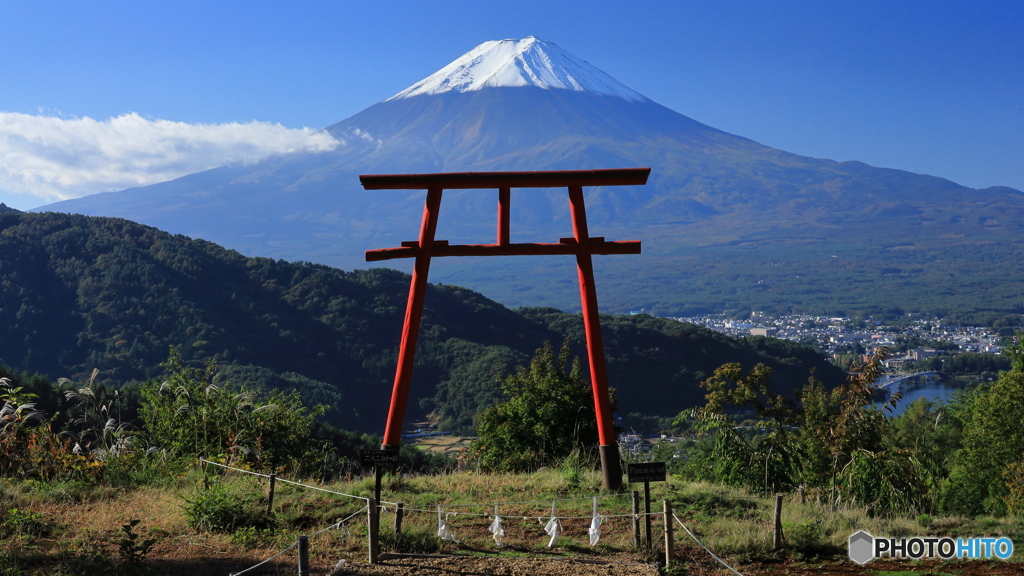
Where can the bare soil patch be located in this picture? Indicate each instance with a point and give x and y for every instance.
(473, 565)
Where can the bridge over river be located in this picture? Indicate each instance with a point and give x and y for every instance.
(921, 385)
(888, 380)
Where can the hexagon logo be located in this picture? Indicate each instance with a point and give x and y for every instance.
(861, 547)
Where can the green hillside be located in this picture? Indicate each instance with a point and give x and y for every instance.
(81, 293)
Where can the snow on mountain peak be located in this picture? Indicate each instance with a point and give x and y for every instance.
(515, 63)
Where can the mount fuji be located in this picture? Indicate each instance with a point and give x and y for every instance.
(726, 222)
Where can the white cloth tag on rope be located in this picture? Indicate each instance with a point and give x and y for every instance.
(595, 529)
(595, 526)
(497, 531)
(442, 528)
(554, 529)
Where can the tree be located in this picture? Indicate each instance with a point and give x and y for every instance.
(986, 470)
(190, 416)
(934, 432)
(744, 455)
(548, 414)
(828, 441)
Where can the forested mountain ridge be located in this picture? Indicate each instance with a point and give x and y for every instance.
(79, 293)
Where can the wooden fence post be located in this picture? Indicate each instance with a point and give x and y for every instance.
(778, 522)
(669, 543)
(399, 514)
(636, 518)
(647, 512)
(373, 529)
(270, 496)
(303, 556)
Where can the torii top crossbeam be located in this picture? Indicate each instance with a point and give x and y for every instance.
(491, 180)
(582, 245)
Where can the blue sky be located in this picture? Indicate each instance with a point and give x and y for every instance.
(103, 95)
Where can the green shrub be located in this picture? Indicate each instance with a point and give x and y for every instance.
(140, 469)
(803, 538)
(218, 509)
(250, 537)
(18, 522)
(133, 551)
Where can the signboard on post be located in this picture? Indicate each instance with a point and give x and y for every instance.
(646, 472)
(378, 458)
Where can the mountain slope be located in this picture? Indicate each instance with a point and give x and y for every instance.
(80, 293)
(717, 205)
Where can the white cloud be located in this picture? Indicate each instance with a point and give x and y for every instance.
(54, 158)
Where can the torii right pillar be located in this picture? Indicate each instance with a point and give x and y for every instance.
(611, 465)
(582, 245)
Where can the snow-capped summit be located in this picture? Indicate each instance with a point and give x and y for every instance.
(516, 63)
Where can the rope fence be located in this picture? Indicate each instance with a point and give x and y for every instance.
(545, 502)
(339, 523)
(363, 498)
(304, 539)
(708, 550)
(519, 516)
(294, 544)
(274, 477)
(549, 519)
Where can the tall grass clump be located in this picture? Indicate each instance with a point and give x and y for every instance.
(411, 541)
(578, 470)
(221, 509)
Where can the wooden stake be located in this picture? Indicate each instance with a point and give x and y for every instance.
(399, 514)
(373, 529)
(636, 518)
(270, 496)
(647, 511)
(303, 555)
(778, 522)
(669, 543)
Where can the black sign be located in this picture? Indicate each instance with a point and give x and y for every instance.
(378, 457)
(646, 472)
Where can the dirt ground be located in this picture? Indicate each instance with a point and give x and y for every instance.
(691, 562)
(843, 567)
(193, 557)
(473, 566)
(469, 565)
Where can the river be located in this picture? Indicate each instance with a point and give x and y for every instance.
(936, 389)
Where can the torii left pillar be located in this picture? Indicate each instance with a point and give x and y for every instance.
(582, 245)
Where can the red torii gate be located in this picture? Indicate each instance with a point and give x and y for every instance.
(582, 245)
